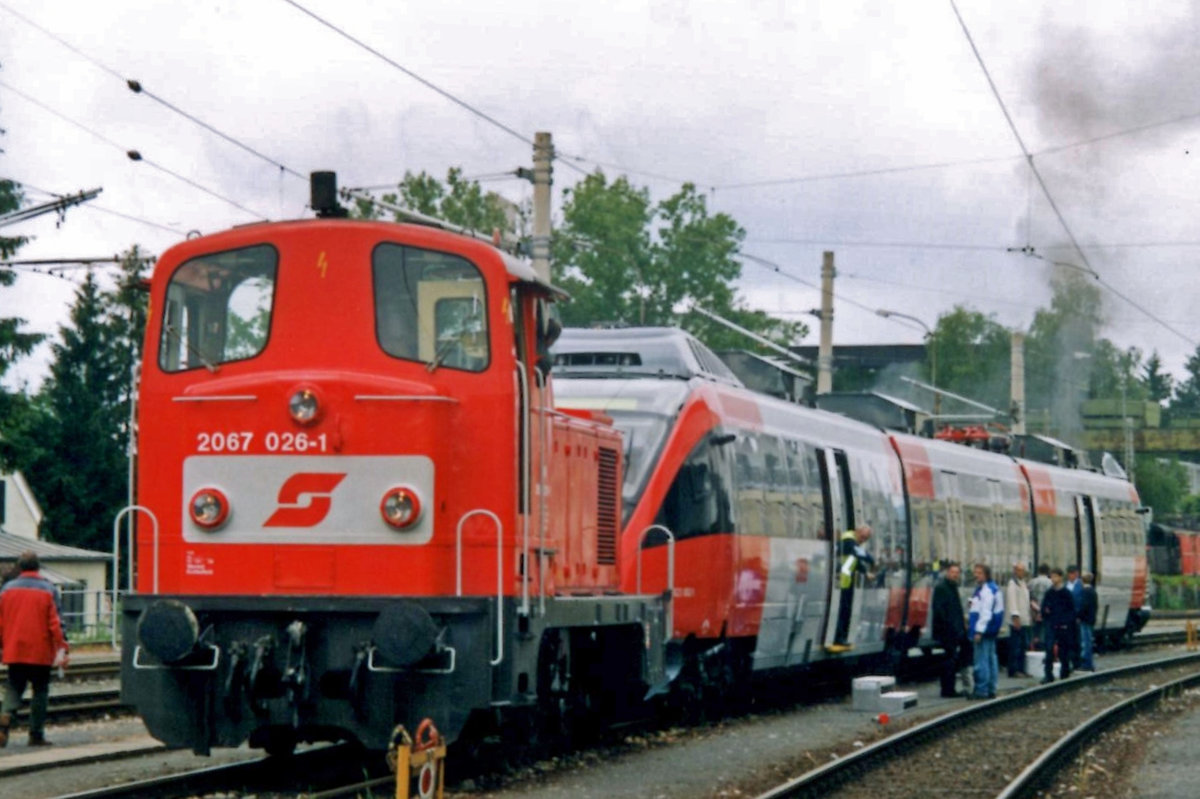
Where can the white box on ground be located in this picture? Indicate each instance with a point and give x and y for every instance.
(868, 690)
(1035, 664)
(896, 702)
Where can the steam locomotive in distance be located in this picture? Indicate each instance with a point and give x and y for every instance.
(756, 491)
(361, 505)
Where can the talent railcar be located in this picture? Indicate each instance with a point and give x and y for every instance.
(751, 487)
(367, 510)
(756, 492)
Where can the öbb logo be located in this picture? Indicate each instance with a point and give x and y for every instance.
(305, 499)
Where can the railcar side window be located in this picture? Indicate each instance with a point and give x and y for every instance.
(430, 307)
(218, 309)
(698, 502)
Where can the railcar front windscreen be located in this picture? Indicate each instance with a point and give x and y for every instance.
(642, 409)
(218, 309)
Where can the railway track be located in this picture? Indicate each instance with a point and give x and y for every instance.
(330, 770)
(106, 669)
(1015, 742)
(1055, 759)
(105, 701)
(80, 704)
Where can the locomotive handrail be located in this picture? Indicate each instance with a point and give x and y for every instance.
(523, 448)
(216, 398)
(373, 666)
(543, 438)
(404, 398)
(499, 573)
(139, 665)
(670, 570)
(116, 559)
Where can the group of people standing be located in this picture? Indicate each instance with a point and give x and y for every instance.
(1049, 613)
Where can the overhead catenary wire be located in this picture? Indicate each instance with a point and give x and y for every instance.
(1087, 266)
(96, 207)
(755, 184)
(779, 270)
(137, 88)
(133, 155)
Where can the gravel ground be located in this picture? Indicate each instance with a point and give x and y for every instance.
(982, 759)
(66, 779)
(744, 757)
(1153, 756)
(738, 757)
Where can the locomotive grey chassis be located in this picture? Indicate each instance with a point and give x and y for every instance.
(264, 667)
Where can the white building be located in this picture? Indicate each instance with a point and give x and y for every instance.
(81, 574)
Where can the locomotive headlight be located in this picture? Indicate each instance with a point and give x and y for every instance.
(304, 406)
(209, 508)
(401, 507)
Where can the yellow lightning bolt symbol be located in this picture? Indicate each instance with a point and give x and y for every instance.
(322, 263)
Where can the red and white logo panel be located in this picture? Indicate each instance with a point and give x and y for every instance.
(308, 500)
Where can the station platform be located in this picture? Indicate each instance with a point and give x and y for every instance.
(18, 758)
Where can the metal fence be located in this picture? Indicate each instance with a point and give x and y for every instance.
(87, 613)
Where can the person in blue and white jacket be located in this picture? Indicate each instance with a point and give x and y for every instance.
(984, 621)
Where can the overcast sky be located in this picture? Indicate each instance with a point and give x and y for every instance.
(902, 160)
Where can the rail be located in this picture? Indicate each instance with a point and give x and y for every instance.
(458, 590)
(670, 571)
(827, 778)
(116, 559)
(1039, 773)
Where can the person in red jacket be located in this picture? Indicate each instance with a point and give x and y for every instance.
(31, 642)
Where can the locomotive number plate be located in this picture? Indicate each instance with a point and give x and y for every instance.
(219, 441)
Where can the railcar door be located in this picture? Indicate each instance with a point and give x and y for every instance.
(1085, 529)
(839, 517)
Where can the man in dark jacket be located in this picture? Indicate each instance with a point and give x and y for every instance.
(1058, 614)
(32, 641)
(1074, 586)
(949, 629)
(1088, 605)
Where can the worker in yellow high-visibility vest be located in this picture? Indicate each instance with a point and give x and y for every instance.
(854, 559)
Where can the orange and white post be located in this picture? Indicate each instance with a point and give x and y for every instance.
(419, 764)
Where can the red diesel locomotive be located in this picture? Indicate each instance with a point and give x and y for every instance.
(756, 491)
(365, 508)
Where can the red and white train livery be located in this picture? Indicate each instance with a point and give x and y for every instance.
(756, 491)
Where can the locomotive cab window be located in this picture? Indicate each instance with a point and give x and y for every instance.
(430, 307)
(218, 309)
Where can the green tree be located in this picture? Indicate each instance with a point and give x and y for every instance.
(973, 353)
(14, 342)
(16, 413)
(1158, 384)
(1187, 393)
(459, 201)
(1161, 484)
(80, 467)
(602, 253)
(1113, 372)
(625, 260)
